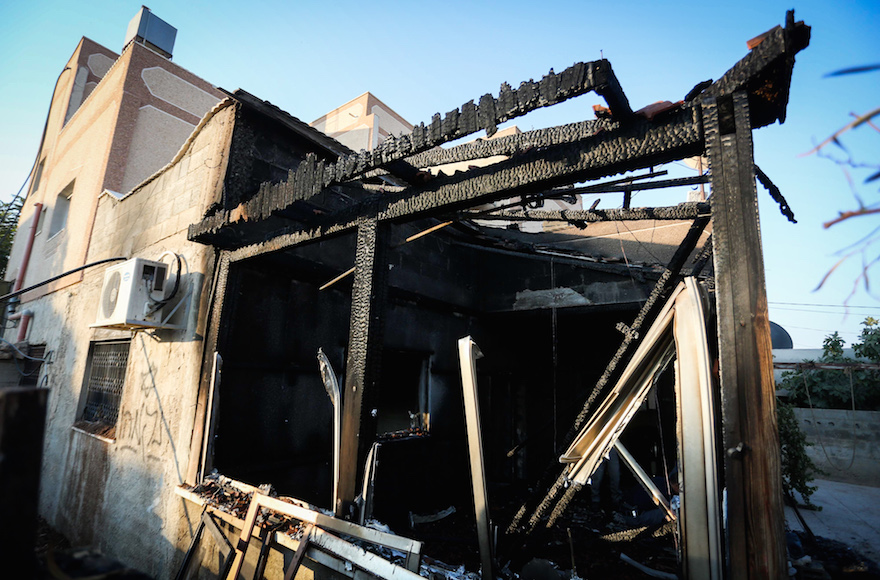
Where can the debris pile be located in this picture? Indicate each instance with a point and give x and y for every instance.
(217, 491)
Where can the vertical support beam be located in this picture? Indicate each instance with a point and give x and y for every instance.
(755, 530)
(211, 416)
(468, 353)
(364, 354)
(197, 442)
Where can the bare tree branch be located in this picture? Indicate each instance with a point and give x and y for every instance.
(849, 126)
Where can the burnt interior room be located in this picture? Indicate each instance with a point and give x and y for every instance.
(541, 357)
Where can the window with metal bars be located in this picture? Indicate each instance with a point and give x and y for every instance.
(105, 377)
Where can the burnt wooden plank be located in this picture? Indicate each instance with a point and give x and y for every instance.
(640, 145)
(300, 554)
(750, 436)
(684, 211)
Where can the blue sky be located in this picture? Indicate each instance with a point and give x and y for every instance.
(427, 57)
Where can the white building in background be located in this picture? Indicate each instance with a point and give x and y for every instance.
(362, 123)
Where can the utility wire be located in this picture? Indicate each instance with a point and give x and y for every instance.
(877, 307)
(834, 312)
(59, 276)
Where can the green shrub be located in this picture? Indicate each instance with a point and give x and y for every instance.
(798, 470)
(839, 389)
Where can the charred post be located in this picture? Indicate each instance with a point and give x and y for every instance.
(364, 353)
(750, 438)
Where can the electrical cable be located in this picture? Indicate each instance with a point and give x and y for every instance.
(59, 276)
(157, 304)
(823, 305)
(44, 359)
(815, 311)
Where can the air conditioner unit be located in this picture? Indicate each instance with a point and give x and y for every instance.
(132, 294)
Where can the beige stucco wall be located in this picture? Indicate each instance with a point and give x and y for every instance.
(119, 495)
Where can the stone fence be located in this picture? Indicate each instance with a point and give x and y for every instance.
(846, 444)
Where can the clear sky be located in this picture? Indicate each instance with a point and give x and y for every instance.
(426, 57)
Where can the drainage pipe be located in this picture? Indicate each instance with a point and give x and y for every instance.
(26, 315)
(19, 280)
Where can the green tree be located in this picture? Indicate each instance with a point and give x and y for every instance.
(857, 388)
(9, 212)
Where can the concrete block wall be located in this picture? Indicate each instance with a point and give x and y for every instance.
(846, 444)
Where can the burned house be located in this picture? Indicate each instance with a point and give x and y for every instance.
(277, 242)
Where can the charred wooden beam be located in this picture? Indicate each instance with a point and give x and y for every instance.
(774, 192)
(511, 144)
(639, 145)
(615, 185)
(756, 541)
(765, 73)
(684, 211)
(312, 176)
(630, 187)
(368, 302)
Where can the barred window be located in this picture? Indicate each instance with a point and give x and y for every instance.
(105, 376)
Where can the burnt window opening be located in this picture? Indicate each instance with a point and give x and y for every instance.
(403, 396)
(61, 210)
(274, 420)
(104, 382)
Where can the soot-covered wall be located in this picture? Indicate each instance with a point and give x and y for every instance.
(275, 418)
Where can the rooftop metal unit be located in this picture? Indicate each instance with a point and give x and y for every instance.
(151, 31)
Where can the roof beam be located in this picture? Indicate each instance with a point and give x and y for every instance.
(312, 176)
(639, 145)
(684, 211)
(511, 144)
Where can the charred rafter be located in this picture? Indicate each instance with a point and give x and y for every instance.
(642, 144)
(312, 176)
(765, 73)
(512, 144)
(684, 211)
(616, 186)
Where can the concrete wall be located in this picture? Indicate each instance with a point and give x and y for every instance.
(846, 444)
(118, 493)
